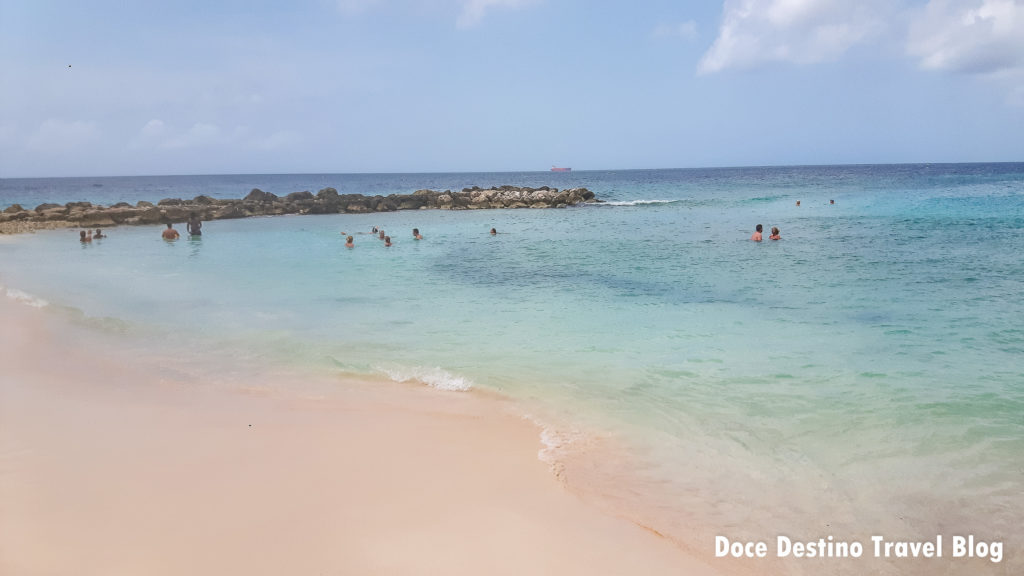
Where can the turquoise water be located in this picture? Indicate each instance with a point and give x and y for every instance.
(862, 375)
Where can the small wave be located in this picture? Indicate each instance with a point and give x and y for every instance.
(433, 377)
(25, 298)
(640, 202)
(556, 443)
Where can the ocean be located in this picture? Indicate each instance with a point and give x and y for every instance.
(863, 375)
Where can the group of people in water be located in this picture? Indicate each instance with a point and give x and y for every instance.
(756, 236)
(379, 233)
(86, 236)
(194, 228)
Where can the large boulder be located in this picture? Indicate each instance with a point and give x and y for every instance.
(151, 215)
(13, 208)
(170, 202)
(257, 195)
(299, 196)
(96, 220)
(230, 211)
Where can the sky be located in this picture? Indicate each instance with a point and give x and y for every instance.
(104, 88)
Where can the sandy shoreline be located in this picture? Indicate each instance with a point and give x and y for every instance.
(108, 468)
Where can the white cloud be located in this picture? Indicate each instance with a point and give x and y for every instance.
(280, 140)
(800, 31)
(686, 30)
(200, 134)
(473, 11)
(971, 36)
(153, 128)
(55, 135)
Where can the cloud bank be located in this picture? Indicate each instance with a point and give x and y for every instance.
(801, 31)
(969, 36)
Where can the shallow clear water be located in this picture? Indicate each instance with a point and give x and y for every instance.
(864, 373)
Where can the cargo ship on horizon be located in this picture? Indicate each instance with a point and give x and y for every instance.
(559, 169)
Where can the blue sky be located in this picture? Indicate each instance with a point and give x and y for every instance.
(200, 87)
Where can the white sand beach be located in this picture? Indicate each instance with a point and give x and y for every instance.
(108, 469)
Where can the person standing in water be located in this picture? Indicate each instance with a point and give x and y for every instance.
(756, 236)
(416, 234)
(195, 225)
(349, 243)
(775, 234)
(170, 233)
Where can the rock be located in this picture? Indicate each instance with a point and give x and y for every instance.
(48, 206)
(13, 208)
(410, 205)
(258, 195)
(96, 220)
(299, 196)
(54, 214)
(151, 215)
(229, 212)
(144, 204)
(203, 200)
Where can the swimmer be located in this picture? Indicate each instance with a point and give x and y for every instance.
(170, 233)
(831, 202)
(374, 230)
(349, 243)
(387, 241)
(756, 236)
(416, 234)
(381, 235)
(775, 234)
(797, 202)
(83, 238)
(195, 225)
(493, 231)
(99, 234)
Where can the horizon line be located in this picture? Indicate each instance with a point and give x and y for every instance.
(546, 171)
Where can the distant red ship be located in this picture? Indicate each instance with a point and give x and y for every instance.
(558, 169)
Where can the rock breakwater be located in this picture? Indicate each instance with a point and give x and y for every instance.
(16, 219)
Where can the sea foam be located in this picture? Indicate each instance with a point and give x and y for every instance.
(639, 202)
(24, 297)
(434, 377)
